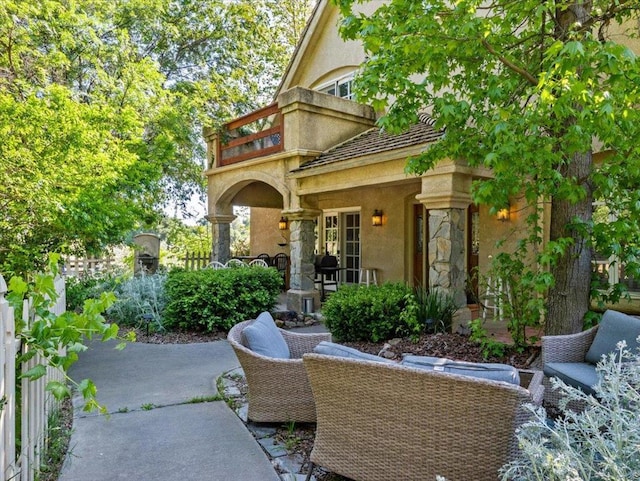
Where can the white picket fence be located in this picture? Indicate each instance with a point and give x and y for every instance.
(36, 404)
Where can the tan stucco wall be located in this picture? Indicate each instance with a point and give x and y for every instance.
(323, 55)
(617, 34)
(383, 248)
(498, 236)
(264, 233)
(316, 121)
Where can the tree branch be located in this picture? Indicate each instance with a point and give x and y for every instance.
(510, 65)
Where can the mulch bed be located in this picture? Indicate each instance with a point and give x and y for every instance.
(452, 346)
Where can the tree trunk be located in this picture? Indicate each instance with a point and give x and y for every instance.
(568, 300)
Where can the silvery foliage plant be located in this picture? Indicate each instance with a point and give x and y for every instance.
(600, 443)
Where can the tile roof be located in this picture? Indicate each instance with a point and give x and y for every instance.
(374, 141)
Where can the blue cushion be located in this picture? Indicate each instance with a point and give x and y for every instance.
(263, 337)
(332, 349)
(492, 371)
(614, 327)
(577, 374)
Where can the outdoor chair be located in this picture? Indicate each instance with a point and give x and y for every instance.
(258, 262)
(216, 265)
(235, 263)
(573, 357)
(380, 421)
(265, 257)
(278, 389)
(281, 262)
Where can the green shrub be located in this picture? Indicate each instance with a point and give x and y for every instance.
(369, 313)
(89, 286)
(433, 309)
(599, 443)
(212, 299)
(137, 296)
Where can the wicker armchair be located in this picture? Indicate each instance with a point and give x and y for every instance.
(379, 421)
(564, 348)
(279, 390)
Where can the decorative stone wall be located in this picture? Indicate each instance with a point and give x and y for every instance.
(302, 241)
(302, 270)
(447, 252)
(221, 238)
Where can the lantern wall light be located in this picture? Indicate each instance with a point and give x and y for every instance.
(376, 218)
(283, 224)
(503, 214)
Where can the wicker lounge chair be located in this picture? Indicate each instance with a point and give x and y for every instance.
(573, 357)
(279, 390)
(379, 421)
(564, 348)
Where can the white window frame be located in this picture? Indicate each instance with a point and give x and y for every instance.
(613, 264)
(341, 239)
(335, 86)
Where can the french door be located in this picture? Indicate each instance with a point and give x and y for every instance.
(342, 239)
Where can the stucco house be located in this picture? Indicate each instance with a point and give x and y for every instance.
(315, 160)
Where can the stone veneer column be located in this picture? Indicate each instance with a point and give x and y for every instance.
(221, 236)
(446, 194)
(447, 252)
(302, 270)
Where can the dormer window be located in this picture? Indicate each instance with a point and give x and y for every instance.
(340, 88)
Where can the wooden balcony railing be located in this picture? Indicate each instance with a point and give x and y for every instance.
(254, 135)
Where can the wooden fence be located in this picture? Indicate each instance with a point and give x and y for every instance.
(80, 266)
(197, 260)
(35, 403)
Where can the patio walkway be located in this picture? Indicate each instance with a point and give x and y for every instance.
(154, 432)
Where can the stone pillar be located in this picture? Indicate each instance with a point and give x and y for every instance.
(446, 194)
(221, 236)
(447, 252)
(302, 225)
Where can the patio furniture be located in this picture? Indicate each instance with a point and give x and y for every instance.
(235, 263)
(327, 272)
(573, 357)
(281, 262)
(278, 388)
(258, 262)
(265, 257)
(216, 265)
(382, 421)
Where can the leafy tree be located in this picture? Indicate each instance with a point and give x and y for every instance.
(527, 89)
(101, 108)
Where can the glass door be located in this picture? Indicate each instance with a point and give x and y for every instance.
(331, 235)
(341, 238)
(351, 259)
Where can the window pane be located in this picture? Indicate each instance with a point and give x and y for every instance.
(626, 279)
(345, 90)
(601, 270)
(329, 89)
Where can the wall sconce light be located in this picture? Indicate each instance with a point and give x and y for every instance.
(376, 218)
(503, 214)
(283, 223)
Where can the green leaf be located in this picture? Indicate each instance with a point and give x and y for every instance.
(35, 372)
(58, 389)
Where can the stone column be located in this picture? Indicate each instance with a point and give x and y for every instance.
(446, 194)
(302, 225)
(221, 236)
(447, 252)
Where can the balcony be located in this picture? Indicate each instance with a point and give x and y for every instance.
(256, 134)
